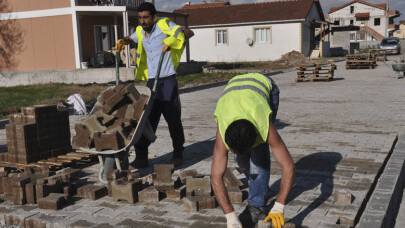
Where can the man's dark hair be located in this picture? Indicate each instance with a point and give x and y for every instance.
(240, 136)
(147, 6)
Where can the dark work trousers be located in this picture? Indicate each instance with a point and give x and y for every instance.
(167, 102)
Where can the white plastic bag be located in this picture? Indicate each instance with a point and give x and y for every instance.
(78, 104)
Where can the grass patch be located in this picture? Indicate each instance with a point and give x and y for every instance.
(13, 98)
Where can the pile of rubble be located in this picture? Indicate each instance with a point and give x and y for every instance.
(114, 120)
(288, 60)
(38, 132)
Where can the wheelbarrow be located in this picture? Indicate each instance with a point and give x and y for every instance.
(143, 128)
(399, 67)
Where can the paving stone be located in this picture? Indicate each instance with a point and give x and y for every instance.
(126, 190)
(92, 192)
(54, 201)
(184, 173)
(34, 223)
(132, 223)
(30, 193)
(176, 194)
(112, 102)
(7, 186)
(198, 186)
(230, 179)
(81, 224)
(108, 141)
(69, 174)
(149, 194)
(18, 217)
(235, 194)
(196, 203)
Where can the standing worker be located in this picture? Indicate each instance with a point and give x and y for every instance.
(244, 126)
(152, 36)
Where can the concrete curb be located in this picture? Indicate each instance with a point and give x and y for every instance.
(382, 207)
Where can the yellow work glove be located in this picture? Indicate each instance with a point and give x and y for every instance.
(232, 220)
(276, 215)
(119, 45)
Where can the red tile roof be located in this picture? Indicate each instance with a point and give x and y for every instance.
(204, 5)
(248, 13)
(362, 15)
(393, 12)
(380, 6)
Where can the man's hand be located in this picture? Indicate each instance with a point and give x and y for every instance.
(232, 220)
(119, 45)
(276, 215)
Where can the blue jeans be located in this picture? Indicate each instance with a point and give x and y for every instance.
(256, 166)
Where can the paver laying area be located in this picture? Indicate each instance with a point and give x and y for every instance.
(339, 134)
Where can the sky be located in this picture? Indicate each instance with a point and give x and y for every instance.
(170, 5)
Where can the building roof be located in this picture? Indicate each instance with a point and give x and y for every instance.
(362, 15)
(382, 6)
(204, 5)
(393, 13)
(249, 13)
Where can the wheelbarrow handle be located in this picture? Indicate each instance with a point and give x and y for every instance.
(165, 49)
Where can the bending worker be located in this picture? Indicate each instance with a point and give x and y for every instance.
(244, 126)
(152, 36)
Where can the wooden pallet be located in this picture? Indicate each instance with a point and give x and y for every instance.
(378, 54)
(366, 56)
(360, 64)
(316, 72)
(77, 159)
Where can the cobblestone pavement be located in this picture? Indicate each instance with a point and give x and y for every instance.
(339, 134)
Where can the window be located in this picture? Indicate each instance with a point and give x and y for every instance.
(337, 22)
(361, 35)
(399, 32)
(377, 21)
(222, 37)
(352, 36)
(102, 37)
(351, 22)
(351, 9)
(262, 35)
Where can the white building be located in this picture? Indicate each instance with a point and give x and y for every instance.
(366, 21)
(252, 32)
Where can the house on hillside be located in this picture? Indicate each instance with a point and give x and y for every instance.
(359, 24)
(61, 34)
(400, 32)
(253, 32)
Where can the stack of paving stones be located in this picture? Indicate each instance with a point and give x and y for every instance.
(37, 133)
(35, 186)
(113, 122)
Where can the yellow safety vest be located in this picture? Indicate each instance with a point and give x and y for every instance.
(175, 41)
(245, 97)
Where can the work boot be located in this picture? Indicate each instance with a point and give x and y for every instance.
(177, 159)
(140, 163)
(251, 216)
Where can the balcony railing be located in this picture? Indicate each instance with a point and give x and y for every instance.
(131, 3)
